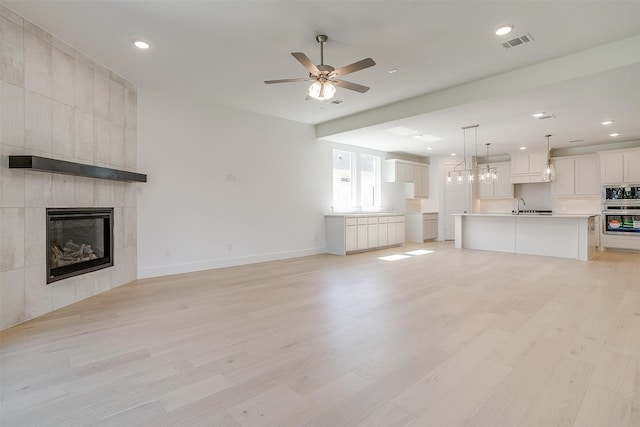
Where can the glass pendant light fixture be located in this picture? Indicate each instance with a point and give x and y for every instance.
(462, 170)
(488, 174)
(549, 172)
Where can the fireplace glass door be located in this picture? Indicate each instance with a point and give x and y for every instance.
(79, 241)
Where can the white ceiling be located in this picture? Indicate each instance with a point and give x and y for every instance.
(222, 51)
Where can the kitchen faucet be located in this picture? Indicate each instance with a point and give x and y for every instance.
(518, 204)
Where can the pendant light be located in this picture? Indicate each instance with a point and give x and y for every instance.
(462, 170)
(549, 172)
(488, 174)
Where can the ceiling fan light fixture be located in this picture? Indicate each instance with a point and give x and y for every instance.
(322, 90)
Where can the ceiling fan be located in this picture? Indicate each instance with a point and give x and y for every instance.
(325, 77)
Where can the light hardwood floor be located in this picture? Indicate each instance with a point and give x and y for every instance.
(447, 338)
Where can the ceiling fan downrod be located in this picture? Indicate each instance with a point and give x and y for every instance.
(322, 39)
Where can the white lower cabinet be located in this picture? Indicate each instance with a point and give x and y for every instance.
(351, 235)
(372, 233)
(363, 238)
(421, 227)
(346, 234)
(392, 234)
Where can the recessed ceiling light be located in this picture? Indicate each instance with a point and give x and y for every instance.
(393, 71)
(140, 44)
(429, 148)
(539, 114)
(607, 122)
(523, 148)
(453, 154)
(504, 30)
(614, 134)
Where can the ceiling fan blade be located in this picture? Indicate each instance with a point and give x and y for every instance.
(287, 80)
(351, 86)
(304, 60)
(356, 66)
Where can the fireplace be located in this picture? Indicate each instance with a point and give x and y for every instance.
(79, 240)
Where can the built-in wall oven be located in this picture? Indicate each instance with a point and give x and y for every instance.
(621, 210)
(621, 220)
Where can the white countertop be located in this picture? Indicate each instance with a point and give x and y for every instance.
(527, 215)
(420, 213)
(338, 214)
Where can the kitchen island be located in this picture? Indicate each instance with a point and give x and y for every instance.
(565, 236)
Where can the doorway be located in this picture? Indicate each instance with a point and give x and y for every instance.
(457, 199)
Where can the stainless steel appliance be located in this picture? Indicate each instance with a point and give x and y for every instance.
(621, 195)
(619, 219)
(621, 209)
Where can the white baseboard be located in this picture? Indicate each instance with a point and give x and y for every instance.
(166, 270)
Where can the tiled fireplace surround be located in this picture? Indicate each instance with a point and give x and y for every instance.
(56, 102)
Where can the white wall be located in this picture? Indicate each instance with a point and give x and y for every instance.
(229, 187)
(225, 187)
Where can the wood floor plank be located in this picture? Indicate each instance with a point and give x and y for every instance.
(448, 338)
(561, 398)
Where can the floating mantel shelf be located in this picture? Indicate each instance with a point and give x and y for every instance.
(44, 164)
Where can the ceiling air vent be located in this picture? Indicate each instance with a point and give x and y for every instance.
(337, 102)
(517, 41)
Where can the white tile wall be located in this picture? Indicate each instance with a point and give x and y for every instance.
(34, 244)
(37, 123)
(102, 136)
(101, 95)
(37, 64)
(84, 135)
(63, 75)
(12, 242)
(12, 297)
(83, 87)
(12, 49)
(57, 102)
(11, 114)
(62, 130)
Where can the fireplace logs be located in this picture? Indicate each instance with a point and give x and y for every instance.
(72, 253)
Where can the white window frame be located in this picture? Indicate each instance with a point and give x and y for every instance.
(356, 182)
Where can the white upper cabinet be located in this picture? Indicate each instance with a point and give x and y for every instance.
(620, 167)
(527, 167)
(576, 176)
(611, 168)
(632, 167)
(413, 172)
(501, 188)
(587, 174)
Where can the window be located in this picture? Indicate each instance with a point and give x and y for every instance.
(356, 180)
(369, 181)
(343, 183)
